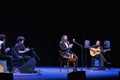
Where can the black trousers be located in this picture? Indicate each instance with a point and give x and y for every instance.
(23, 59)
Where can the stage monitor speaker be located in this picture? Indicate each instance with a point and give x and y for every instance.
(106, 44)
(3, 66)
(87, 43)
(79, 75)
(28, 67)
(6, 76)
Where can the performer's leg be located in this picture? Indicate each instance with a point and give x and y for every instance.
(26, 58)
(102, 60)
(9, 63)
(21, 60)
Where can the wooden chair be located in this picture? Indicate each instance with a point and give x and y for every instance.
(65, 59)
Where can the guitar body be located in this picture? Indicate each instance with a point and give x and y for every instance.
(95, 52)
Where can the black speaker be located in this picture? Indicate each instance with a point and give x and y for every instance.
(79, 75)
(28, 67)
(6, 76)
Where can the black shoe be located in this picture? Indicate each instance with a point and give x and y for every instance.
(34, 72)
(64, 66)
(11, 71)
(108, 63)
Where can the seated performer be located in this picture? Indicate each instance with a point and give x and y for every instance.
(96, 51)
(21, 51)
(4, 51)
(65, 47)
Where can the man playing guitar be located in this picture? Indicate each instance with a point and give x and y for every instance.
(96, 51)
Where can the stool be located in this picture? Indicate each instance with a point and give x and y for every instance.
(95, 63)
(67, 61)
(3, 66)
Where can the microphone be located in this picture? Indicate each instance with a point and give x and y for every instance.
(73, 40)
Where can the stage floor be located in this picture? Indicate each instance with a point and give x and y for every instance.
(53, 73)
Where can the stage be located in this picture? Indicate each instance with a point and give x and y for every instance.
(53, 73)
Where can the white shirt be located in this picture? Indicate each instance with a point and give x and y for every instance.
(1, 43)
(66, 44)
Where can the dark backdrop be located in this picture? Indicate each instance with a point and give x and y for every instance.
(45, 41)
(43, 32)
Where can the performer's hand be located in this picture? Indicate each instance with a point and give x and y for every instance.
(7, 49)
(71, 45)
(27, 49)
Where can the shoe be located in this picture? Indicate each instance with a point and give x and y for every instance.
(65, 66)
(106, 69)
(108, 63)
(34, 72)
(11, 71)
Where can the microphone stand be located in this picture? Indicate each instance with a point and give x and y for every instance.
(81, 51)
(35, 54)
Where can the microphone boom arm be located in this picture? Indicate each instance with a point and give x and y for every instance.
(78, 44)
(35, 53)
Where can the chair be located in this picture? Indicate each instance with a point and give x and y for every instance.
(67, 60)
(95, 63)
(3, 66)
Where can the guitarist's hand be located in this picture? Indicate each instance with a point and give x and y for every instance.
(94, 51)
(104, 51)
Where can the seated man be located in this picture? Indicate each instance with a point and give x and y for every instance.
(96, 51)
(4, 51)
(65, 47)
(21, 52)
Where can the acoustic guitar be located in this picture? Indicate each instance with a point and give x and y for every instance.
(96, 51)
